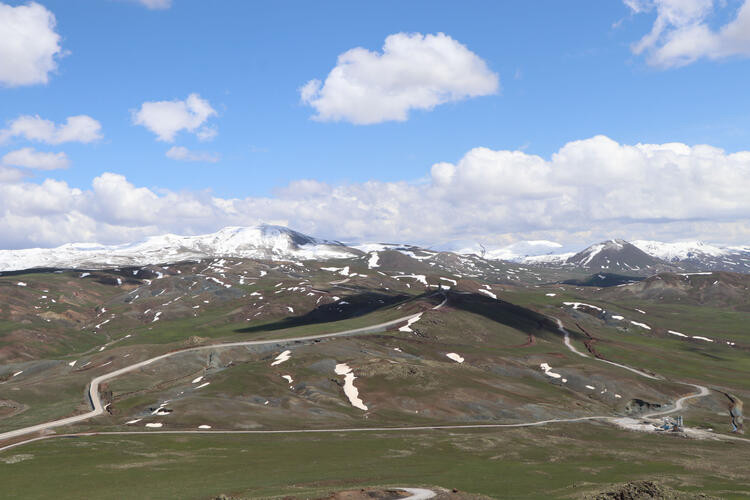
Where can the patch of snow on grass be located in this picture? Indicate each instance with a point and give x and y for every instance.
(196, 380)
(288, 378)
(351, 392)
(487, 292)
(407, 326)
(204, 384)
(676, 333)
(642, 325)
(204, 426)
(419, 277)
(576, 305)
(284, 356)
(373, 262)
(455, 357)
(548, 371)
(455, 283)
(154, 425)
(702, 338)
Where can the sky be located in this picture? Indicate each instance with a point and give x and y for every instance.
(437, 123)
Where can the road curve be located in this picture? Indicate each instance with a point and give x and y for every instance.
(96, 402)
(569, 345)
(678, 405)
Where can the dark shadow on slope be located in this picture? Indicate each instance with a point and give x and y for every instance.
(353, 306)
(519, 318)
(605, 280)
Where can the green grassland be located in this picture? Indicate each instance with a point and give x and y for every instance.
(563, 461)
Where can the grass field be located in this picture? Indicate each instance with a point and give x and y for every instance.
(561, 461)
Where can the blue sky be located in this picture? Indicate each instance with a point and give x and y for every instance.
(568, 71)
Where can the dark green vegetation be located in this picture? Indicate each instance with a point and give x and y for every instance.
(62, 329)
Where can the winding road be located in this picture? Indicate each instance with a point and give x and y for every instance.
(678, 404)
(96, 401)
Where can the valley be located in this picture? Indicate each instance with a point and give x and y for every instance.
(372, 344)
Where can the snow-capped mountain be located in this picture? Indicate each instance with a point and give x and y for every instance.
(645, 256)
(516, 252)
(616, 256)
(261, 242)
(675, 252)
(697, 255)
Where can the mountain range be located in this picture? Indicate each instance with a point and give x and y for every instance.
(262, 242)
(269, 242)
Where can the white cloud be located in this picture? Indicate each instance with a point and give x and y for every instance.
(681, 33)
(587, 191)
(184, 154)
(29, 45)
(414, 71)
(31, 158)
(167, 118)
(81, 128)
(10, 174)
(155, 4)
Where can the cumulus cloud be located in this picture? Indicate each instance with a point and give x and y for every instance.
(155, 4)
(414, 71)
(181, 153)
(167, 118)
(31, 158)
(681, 33)
(29, 45)
(588, 190)
(81, 128)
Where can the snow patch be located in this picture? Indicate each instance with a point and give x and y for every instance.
(284, 356)
(548, 371)
(576, 305)
(455, 357)
(419, 277)
(411, 321)
(351, 392)
(374, 259)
